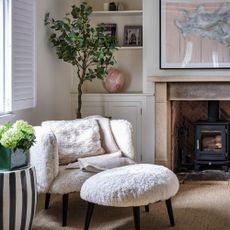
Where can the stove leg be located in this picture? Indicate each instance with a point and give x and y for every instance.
(196, 167)
(225, 168)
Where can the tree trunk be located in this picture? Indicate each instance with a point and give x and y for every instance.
(79, 102)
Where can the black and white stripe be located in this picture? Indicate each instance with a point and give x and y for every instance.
(18, 199)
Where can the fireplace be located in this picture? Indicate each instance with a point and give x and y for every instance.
(170, 90)
(212, 140)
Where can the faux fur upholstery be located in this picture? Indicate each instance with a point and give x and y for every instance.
(107, 139)
(122, 132)
(76, 138)
(44, 156)
(132, 185)
(69, 180)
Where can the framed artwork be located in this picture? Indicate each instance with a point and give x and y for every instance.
(132, 35)
(110, 29)
(194, 34)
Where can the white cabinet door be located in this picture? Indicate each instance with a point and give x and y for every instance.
(130, 111)
(90, 108)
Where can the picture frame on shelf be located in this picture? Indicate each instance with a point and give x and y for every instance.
(191, 38)
(132, 35)
(110, 29)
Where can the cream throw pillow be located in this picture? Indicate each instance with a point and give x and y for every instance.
(76, 138)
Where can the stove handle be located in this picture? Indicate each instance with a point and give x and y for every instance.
(198, 144)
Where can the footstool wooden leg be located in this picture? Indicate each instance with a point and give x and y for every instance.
(65, 203)
(47, 200)
(136, 215)
(146, 208)
(170, 212)
(89, 213)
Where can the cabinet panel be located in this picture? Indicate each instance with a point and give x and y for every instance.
(90, 108)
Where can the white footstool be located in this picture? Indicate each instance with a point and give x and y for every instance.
(130, 186)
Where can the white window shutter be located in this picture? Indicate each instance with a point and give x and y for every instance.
(23, 54)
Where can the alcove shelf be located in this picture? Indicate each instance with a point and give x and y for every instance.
(118, 13)
(130, 47)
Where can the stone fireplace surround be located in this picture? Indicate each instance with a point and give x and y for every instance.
(186, 88)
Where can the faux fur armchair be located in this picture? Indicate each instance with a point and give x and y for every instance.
(54, 178)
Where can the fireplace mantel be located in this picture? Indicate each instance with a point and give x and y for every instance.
(181, 88)
(189, 78)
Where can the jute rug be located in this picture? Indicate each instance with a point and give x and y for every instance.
(196, 207)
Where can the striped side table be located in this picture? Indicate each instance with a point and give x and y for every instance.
(18, 199)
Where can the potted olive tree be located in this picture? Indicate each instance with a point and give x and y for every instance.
(87, 48)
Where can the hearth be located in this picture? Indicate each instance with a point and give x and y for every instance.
(212, 140)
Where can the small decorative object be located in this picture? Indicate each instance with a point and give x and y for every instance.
(112, 6)
(15, 142)
(120, 6)
(106, 6)
(114, 82)
(133, 35)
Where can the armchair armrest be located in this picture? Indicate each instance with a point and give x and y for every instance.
(44, 156)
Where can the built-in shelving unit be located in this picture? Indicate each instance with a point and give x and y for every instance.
(132, 103)
(129, 59)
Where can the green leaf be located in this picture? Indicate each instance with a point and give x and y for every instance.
(72, 36)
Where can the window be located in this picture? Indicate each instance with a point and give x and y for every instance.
(1, 56)
(17, 58)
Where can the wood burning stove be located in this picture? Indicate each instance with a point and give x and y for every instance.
(212, 139)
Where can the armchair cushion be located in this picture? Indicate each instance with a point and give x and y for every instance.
(69, 180)
(76, 138)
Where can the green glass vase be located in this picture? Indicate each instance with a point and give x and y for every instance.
(11, 159)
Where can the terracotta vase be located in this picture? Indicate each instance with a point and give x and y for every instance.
(114, 81)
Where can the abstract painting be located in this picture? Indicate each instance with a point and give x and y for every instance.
(194, 34)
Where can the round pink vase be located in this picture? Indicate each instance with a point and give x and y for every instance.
(114, 81)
